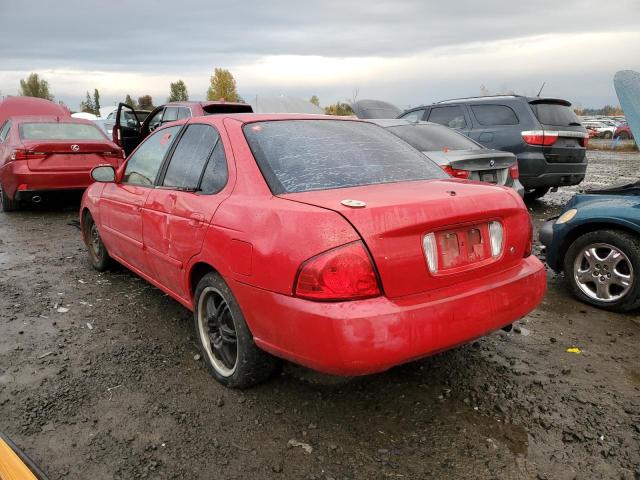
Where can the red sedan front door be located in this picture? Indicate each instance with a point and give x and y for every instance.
(122, 202)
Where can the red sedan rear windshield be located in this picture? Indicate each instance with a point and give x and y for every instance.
(59, 131)
(304, 155)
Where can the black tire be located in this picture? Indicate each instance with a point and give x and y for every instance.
(7, 204)
(98, 256)
(607, 135)
(535, 193)
(225, 341)
(599, 275)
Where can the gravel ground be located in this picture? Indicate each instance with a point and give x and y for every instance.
(98, 380)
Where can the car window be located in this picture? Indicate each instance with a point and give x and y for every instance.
(414, 116)
(143, 165)
(184, 112)
(4, 131)
(494, 115)
(155, 120)
(430, 138)
(305, 155)
(190, 156)
(170, 114)
(216, 172)
(554, 114)
(452, 116)
(59, 131)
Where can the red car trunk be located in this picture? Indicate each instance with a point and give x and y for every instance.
(47, 155)
(397, 217)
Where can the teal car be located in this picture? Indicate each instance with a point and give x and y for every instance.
(596, 243)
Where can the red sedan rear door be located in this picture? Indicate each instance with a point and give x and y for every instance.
(178, 212)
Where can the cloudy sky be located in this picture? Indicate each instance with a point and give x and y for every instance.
(403, 51)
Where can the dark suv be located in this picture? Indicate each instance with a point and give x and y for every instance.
(544, 133)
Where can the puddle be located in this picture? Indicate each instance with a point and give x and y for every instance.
(633, 375)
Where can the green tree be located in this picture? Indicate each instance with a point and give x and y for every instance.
(223, 86)
(34, 86)
(178, 92)
(96, 101)
(315, 100)
(145, 102)
(88, 106)
(130, 101)
(339, 108)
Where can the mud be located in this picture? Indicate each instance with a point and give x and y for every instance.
(110, 388)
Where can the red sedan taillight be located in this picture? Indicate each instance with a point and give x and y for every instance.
(119, 154)
(22, 154)
(545, 138)
(456, 172)
(343, 273)
(584, 141)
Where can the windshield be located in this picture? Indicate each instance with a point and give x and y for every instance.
(59, 131)
(305, 155)
(429, 138)
(555, 114)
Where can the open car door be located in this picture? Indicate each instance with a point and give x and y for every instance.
(127, 129)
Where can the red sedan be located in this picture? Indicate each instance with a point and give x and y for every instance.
(328, 242)
(41, 154)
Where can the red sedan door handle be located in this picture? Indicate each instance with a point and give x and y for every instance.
(196, 219)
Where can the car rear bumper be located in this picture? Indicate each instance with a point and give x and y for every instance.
(536, 172)
(368, 336)
(22, 184)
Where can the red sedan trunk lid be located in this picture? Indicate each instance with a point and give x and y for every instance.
(47, 155)
(397, 216)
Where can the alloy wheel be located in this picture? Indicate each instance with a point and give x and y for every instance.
(217, 331)
(603, 272)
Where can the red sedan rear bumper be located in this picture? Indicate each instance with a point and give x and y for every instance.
(368, 336)
(15, 174)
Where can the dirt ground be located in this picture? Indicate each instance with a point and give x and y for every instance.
(98, 380)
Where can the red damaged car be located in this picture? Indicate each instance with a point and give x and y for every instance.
(42, 154)
(324, 241)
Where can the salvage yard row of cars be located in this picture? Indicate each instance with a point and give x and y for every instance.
(344, 245)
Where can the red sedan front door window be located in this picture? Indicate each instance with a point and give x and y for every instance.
(122, 202)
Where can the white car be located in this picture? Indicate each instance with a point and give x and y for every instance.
(604, 130)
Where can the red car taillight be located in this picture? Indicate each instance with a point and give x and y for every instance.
(540, 137)
(343, 273)
(119, 154)
(584, 141)
(457, 173)
(22, 154)
(514, 173)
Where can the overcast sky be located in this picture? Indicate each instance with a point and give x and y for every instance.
(406, 52)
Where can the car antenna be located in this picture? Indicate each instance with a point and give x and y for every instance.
(540, 91)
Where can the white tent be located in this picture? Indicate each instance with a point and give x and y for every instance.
(85, 115)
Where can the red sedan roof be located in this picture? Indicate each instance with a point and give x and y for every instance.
(13, 106)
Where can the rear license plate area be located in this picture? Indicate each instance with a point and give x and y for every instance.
(462, 247)
(489, 177)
